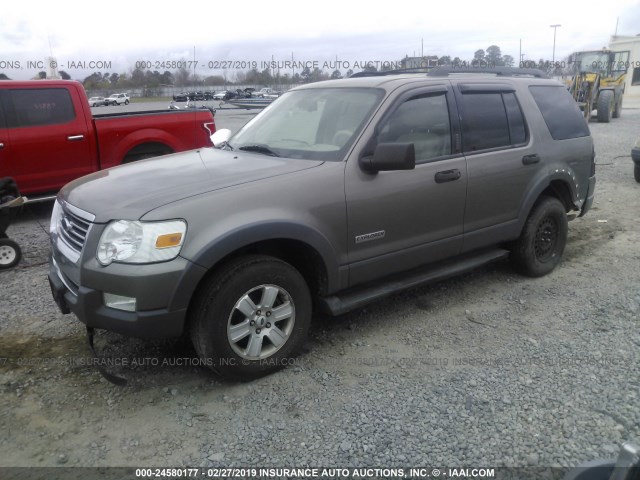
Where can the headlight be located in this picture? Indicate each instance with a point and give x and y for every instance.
(141, 242)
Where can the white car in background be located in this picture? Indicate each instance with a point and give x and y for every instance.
(118, 99)
(98, 101)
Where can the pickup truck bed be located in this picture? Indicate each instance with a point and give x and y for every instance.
(48, 136)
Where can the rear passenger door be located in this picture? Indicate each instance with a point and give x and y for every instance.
(402, 219)
(49, 142)
(501, 161)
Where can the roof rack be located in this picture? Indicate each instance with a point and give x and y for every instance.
(388, 72)
(447, 70)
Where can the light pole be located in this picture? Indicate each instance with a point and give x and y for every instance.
(553, 58)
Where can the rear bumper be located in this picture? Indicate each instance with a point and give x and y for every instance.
(590, 194)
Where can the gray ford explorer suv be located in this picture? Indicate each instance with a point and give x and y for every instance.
(337, 194)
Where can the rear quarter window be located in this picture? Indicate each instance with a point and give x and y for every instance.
(560, 112)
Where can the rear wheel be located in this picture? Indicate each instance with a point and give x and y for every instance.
(543, 238)
(605, 106)
(10, 253)
(636, 172)
(251, 318)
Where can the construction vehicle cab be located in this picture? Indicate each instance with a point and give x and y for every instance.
(598, 82)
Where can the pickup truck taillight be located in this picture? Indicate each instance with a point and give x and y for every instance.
(210, 127)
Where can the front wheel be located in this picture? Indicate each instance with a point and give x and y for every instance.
(251, 318)
(543, 238)
(636, 172)
(10, 253)
(617, 111)
(605, 106)
(126, 102)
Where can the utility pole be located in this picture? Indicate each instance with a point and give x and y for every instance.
(553, 58)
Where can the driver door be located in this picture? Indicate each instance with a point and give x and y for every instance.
(402, 219)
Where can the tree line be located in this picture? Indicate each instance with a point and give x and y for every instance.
(182, 77)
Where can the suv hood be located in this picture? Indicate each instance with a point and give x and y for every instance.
(129, 191)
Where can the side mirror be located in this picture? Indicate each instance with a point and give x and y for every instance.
(389, 157)
(220, 137)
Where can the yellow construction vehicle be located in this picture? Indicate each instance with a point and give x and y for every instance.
(598, 82)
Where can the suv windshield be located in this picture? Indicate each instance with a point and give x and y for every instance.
(314, 123)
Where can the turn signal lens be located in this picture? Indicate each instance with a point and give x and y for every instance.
(169, 240)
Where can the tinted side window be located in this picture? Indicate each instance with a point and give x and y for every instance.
(517, 130)
(484, 122)
(31, 107)
(423, 121)
(2, 120)
(560, 112)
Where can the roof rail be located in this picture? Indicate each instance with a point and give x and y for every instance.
(388, 72)
(447, 70)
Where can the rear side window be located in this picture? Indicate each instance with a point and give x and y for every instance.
(491, 120)
(517, 130)
(560, 112)
(38, 107)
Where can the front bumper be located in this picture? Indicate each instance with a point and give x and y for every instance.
(166, 287)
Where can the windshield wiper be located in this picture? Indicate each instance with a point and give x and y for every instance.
(260, 149)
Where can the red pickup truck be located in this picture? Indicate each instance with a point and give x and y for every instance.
(49, 137)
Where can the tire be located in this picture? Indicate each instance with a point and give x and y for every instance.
(617, 111)
(605, 106)
(543, 238)
(10, 253)
(126, 102)
(636, 172)
(261, 286)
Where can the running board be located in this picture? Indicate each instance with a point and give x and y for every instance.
(360, 296)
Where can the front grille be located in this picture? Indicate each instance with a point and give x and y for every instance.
(73, 230)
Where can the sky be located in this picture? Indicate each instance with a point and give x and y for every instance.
(226, 37)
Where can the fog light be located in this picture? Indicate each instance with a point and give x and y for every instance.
(120, 302)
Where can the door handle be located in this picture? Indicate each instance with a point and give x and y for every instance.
(448, 175)
(75, 138)
(530, 159)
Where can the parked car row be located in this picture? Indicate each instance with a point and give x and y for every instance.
(115, 99)
(225, 94)
(184, 96)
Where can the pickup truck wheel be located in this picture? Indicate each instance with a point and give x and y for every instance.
(251, 318)
(10, 253)
(543, 238)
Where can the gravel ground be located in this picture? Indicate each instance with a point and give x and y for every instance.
(489, 369)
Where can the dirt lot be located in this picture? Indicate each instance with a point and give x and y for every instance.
(489, 369)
